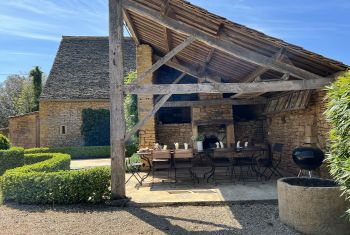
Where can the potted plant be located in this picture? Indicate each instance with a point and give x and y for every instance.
(199, 142)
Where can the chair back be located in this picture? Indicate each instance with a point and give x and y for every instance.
(183, 153)
(161, 154)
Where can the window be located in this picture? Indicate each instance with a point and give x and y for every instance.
(174, 115)
(63, 130)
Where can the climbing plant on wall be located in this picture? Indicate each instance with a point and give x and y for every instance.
(96, 127)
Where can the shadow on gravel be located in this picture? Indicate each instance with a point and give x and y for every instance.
(253, 218)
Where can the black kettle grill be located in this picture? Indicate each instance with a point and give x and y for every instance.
(308, 158)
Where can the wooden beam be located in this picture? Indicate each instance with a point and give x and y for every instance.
(190, 70)
(247, 95)
(165, 59)
(152, 112)
(254, 76)
(177, 80)
(256, 101)
(165, 7)
(225, 46)
(117, 119)
(131, 27)
(262, 69)
(228, 87)
(285, 77)
(167, 33)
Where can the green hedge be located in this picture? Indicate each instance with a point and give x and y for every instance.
(82, 152)
(11, 158)
(4, 142)
(48, 180)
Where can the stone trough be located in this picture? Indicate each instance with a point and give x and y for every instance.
(312, 206)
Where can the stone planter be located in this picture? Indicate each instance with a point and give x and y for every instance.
(312, 206)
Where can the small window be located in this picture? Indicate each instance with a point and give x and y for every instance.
(63, 130)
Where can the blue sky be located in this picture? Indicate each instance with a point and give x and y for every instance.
(30, 30)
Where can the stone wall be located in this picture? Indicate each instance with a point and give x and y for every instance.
(251, 131)
(174, 133)
(147, 133)
(55, 114)
(24, 130)
(214, 113)
(295, 128)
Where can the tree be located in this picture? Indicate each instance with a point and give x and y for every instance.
(36, 74)
(10, 91)
(26, 101)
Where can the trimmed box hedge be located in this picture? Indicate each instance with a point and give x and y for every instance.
(84, 152)
(80, 152)
(48, 180)
(11, 158)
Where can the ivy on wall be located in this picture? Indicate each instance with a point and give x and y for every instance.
(96, 126)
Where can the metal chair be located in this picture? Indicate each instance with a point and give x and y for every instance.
(134, 169)
(272, 162)
(221, 160)
(161, 160)
(183, 160)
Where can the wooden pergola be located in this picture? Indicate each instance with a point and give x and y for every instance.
(225, 58)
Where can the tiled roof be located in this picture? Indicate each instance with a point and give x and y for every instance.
(80, 69)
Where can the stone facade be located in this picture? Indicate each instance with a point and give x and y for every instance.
(24, 130)
(295, 128)
(147, 133)
(55, 114)
(214, 114)
(251, 131)
(174, 133)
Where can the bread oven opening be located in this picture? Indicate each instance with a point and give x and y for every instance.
(210, 141)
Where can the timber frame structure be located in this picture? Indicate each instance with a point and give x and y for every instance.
(224, 56)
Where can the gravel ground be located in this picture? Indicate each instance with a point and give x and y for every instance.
(235, 219)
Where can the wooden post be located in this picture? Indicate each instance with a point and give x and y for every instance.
(117, 119)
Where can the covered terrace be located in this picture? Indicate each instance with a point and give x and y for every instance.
(241, 80)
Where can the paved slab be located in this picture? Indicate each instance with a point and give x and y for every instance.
(160, 193)
(89, 163)
(156, 192)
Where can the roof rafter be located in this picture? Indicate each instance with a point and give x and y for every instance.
(225, 46)
(131, 27)
(165, 59)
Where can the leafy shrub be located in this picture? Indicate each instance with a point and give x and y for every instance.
(4, 143)
(11, 158)
(48, 180)
(135, 158)
(130, 104)
(338, 114)
(82, 152)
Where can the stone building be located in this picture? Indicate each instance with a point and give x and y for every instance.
(79, 80)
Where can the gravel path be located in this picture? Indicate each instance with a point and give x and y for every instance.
(235, 219)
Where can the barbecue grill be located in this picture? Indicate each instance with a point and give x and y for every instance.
(308, 158)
